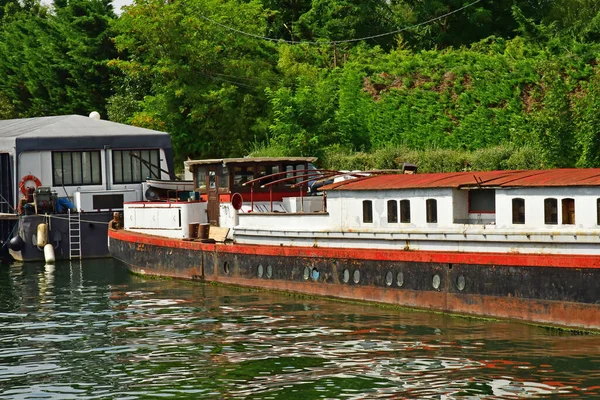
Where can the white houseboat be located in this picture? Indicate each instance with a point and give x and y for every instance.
(521, 245)
(68, 174)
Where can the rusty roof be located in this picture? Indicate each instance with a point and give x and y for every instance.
(484, 179)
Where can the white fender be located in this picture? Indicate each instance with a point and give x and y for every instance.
(49, 254)
(42, 235)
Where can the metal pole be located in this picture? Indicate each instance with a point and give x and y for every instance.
(301, 199)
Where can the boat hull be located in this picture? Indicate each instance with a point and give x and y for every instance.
(94, 227)
(549, 290)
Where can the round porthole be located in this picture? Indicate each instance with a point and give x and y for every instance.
(356, 276)
(400, 279)
(461, 282)
(346, 276)
(226, 267)
(260, 271)
(269, 271)
(436, 281)
(315, 274)
(306, 273)
(389, 277)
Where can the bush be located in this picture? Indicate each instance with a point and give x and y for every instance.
(491, 159)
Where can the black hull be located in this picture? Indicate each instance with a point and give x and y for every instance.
(559, 296)
(94, 231)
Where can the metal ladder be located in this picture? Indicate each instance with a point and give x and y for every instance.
(74, 235)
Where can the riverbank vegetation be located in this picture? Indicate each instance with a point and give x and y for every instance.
(482, 85)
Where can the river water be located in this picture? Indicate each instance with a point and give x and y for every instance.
(91, 330)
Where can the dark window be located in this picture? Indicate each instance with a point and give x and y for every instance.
(200, 173)
(405, 211)
(392, 210)
(223, 178)
(518, 211)
(73, 168)
(241, 175)
(568, 211)
(598, 211)
(212, 180)
(134, 166)
(431, 205)
(289, 168)
(482, 201)
(109, 201)
(550, 211)
(367, 211)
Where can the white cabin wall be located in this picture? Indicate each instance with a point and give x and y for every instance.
(227, 215)
(351, 207)
(460, 205)
(284, 222)
(36, 163)
(39, 164)
(163, 219)
(334, 209)
(585, 206)
(303, 204)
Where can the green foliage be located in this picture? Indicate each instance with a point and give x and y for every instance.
(7, 110)
(204, 85)
(553, 123)
(460, 92)
(587, 122)
(55, 63)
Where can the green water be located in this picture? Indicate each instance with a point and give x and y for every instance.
(91, 330)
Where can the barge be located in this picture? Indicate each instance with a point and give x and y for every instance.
(519, 245)
(62, 177)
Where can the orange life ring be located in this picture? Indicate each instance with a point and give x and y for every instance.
(26, 179)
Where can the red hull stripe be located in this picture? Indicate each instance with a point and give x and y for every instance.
(443, 257)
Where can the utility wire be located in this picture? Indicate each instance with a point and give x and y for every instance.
(339, 41)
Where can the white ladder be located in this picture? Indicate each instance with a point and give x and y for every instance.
(74, 235)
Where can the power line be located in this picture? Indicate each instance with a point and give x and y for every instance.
(339, 41)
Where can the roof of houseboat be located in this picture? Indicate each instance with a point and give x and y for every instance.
(67, 132)
(247, 160)
(484, 179)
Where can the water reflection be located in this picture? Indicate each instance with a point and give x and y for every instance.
(92, 330)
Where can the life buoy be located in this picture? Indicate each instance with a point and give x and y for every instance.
(26, 179)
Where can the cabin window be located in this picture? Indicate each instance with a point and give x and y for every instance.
(550, 211)
(242, 174)
(392, 211)
(200, 172)
(518, 211)
(405, 211)
(289, 168)
(265, 170)
(367, 211)
(598, 211)
(212, 180)
(223, 178)
(70, 168)
(568, 211)
(431, 205)
(300, 167)
(482, 201)
(134, 166)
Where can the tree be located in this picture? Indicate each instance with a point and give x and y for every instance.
(338, 20)
(55, 63)
(554, 122)
(200, 82)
